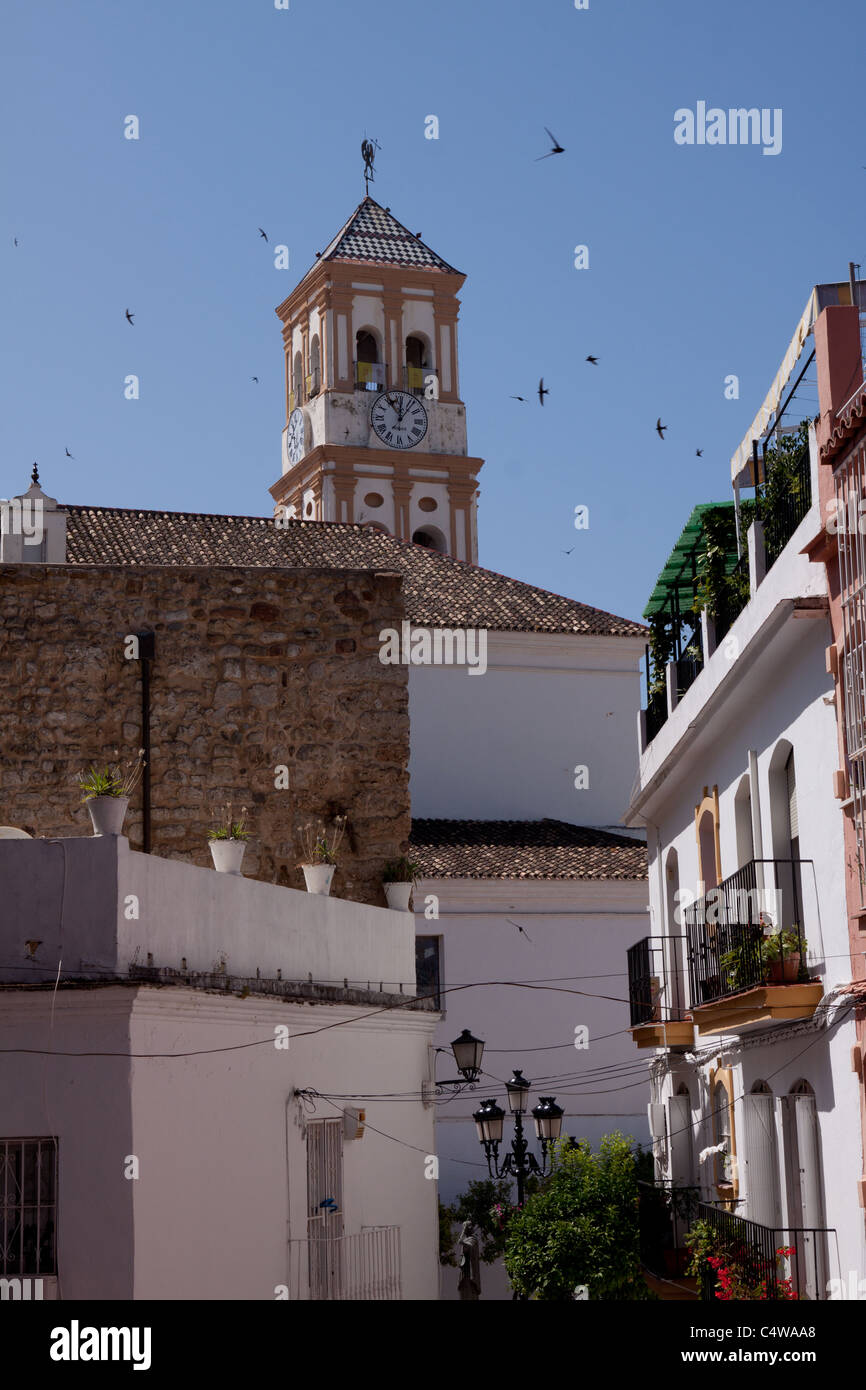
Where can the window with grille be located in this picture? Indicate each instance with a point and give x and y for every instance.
(427, 968)
(28, 1206)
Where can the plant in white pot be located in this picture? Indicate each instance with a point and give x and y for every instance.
(399, 878)
(107, 791)
(228, 840)
(320, 855)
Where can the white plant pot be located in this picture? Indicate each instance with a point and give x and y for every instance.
(318, 877)
(107, 813)
(227, 855)
(398, 895)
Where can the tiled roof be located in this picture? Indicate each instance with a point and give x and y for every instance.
(439, 590)
(373, 234)
(539, 849)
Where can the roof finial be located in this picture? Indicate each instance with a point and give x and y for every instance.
(34, 476)
(368, 154)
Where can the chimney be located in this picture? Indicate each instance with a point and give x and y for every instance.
(838, 360)
(32, 528)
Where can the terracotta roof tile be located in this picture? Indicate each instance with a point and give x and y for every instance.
(439, 590)
(539, 849)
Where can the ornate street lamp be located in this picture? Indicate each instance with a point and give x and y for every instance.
(519, 1163)
(468, 1052)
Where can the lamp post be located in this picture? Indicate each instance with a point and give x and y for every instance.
(519, 1162)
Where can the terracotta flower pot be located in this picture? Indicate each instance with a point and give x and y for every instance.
(784, 971)
(398, 895)
(227, 855)
(107, 813)
(318, 877)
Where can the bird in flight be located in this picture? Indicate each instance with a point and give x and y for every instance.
(699, 453)
(263, 234)
(542, 391)
(567, 552)
(557, 148)
(68, 455)
(520, 929)
(660, 428)
(253, 378)
(15, 241)
(593, 360)
(129, 316)
(517, 398)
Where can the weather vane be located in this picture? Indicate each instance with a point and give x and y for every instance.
(368, 154)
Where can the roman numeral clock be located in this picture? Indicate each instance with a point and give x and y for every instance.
(399, 419)
(375, 430)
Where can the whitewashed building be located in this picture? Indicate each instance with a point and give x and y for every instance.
(177, 1116)
(742, 988)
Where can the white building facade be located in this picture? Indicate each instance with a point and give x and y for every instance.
(180, 1117)
(741, 989)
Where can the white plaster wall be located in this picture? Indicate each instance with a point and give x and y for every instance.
(217, 1174)
(185, 912)
(577, 936)
(504, 745)
(217, 1198)
(85, 1103)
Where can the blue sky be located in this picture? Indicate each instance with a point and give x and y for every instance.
(701, 258)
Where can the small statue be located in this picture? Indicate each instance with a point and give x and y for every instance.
(469, 1284)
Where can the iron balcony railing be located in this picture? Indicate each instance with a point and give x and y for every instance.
(748, 931)
(654, 981)
(370, 376)
(415, 378)
(752, 1249)
(361, 1267)
(735, 599)
(666, 1211)
(789, 510)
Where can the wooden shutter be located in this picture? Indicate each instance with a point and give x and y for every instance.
(680, 1139)
(790, 777)
(760, 1159)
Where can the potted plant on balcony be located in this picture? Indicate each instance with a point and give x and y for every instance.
(228, 840)
(782, 953)
(107, 791)
(320, 855)
(399, 878)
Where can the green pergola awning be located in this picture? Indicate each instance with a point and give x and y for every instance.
(675, 586)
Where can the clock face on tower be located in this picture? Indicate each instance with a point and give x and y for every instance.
(399, 419)
(296, 436)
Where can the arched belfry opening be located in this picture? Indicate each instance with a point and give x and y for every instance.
(431, 537)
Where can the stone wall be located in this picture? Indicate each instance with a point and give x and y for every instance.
(254, 669)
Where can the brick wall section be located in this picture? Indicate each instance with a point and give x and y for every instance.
(253, 669)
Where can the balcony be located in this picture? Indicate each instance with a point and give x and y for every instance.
(751, 1248)
(370, 376)
(722, 556)
(666, 1212)
(414, 380)
(654, 993)
(747, 949)
(357, 1268)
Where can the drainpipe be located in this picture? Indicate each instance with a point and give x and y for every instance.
(146, 653)
(757, 832)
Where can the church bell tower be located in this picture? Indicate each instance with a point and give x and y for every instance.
(375, 428)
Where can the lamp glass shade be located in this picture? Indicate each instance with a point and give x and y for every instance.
(548, 1118)
(468, 1052)
(518, 1093)
(488, 1122)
